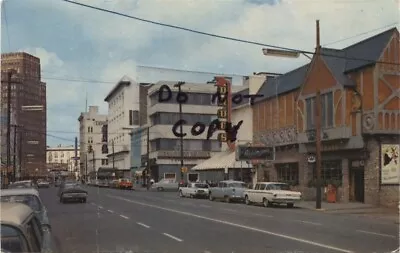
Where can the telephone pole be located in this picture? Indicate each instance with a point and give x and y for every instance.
(9, 75)
(20, 155)
(179, 85)
(15, 154)
(148, 158)
(113, 156)
(318, 131)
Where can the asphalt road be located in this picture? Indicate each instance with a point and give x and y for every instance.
(160, 222)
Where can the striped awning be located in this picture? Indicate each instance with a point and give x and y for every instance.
(223, 160)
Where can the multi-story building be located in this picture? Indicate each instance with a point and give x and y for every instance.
(27, 91)
(164, 145)
(63, 158)
(93, 155)
(123, 117)
(360, 120)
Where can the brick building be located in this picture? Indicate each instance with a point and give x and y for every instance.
(27, 89)
(359, 88)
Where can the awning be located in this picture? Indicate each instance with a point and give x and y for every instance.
(223, 160)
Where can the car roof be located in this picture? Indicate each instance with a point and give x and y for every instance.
(15, 213)
(19, 191)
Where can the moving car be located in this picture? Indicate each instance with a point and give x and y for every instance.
(22, 184)
(72, 192)
(194, 190)
(43, 183)
(166, 185)
(271, 193)
(124, 183)
(21, 231)
(228, 190)
(30, 197)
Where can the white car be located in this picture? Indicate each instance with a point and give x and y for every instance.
(194, 190)
(270, 193)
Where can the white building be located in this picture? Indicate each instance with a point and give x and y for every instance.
(123, 116)
(164, 145)
(63, 158)
(225, 162)
(90, 141)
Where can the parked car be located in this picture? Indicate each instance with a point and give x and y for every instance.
(43, 183)
(166, 185)
(72, 192)
(270, 193)
(21, 231)
(194, 190)
(29, 197)
(22, 184)
(125, 183)
(228, 190)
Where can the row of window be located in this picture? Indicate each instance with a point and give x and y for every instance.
(170, 118)
(188, 145)
(289, 172)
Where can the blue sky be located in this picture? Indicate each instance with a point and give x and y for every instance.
(87, 50)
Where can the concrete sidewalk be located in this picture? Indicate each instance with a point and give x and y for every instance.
(354, 208)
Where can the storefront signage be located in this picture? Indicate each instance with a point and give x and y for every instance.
(390, 164)
(221, 97)
(248, 153)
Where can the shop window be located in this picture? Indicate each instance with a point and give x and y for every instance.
(331, 172)
(288, 173)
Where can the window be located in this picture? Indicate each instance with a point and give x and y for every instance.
(104, 161)
(326, 111)
(90, 140)
(12, 240)
(133, 118)
(330, 170)
(288, 173)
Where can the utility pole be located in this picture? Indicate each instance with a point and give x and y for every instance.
(148, 158)
(113, 157)
(179, 84)
(318, 131)
(86, 165)
(15, 154)
(20, 155)
(9, 75)
(94, 161)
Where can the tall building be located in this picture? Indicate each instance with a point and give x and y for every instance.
(27, 89)
(164, 145)
(123, 116)
(93, 156)
(63, 158)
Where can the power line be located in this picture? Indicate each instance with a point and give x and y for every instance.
(361, 34)
(221, 36)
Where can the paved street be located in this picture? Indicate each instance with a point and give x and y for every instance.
(162, 222)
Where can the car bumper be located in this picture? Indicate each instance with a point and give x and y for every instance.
(285, 201)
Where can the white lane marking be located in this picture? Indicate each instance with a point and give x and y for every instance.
(205, 206)
(100, 207)
(373, 233)
(237, 225)
(262, 215)
(173, 237)
(142, 224)
(110, 211)
(123, 216)
(229, 210)
(309, 222)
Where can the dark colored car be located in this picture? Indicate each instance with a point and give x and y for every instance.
(72, 192)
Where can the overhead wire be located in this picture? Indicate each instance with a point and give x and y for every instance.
(222, 36)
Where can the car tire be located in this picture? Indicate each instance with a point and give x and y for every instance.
(83, 200)
(210, 197)
(181, 194)
(246, 200)
(290, 205)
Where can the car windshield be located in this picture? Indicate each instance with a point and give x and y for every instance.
(11, 240)
(237, 185)
(201, 186)
(20, 185)
(31, 200)
(283, 187)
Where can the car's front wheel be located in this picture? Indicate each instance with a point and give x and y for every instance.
(83, 200)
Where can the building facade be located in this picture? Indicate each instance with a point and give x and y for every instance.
(27, 89)
(93, 155)
(360, 122)
(63, 158)
(164, 145)
(123, 116)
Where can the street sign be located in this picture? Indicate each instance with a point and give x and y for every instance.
(184, 169)
(248, 153)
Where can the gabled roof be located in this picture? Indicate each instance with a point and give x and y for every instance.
(124, 81)
(339, 62)
(369, 49)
